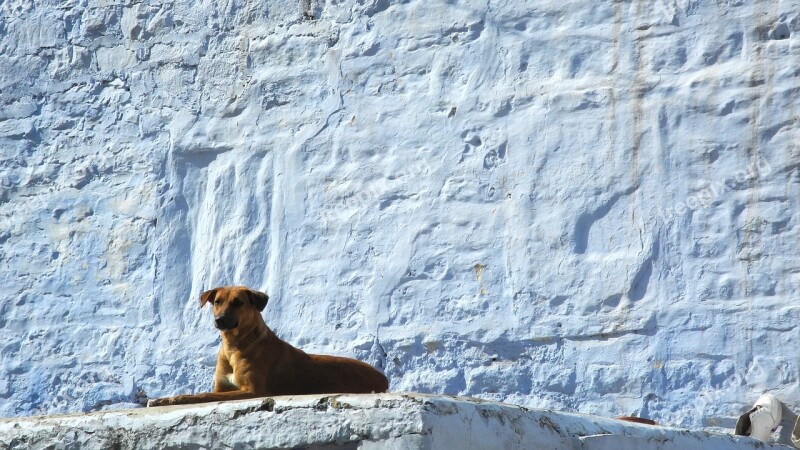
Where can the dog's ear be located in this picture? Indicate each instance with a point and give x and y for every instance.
(208, 296)
(259, 299)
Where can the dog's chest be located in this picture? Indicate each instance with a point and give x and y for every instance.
(230, 380)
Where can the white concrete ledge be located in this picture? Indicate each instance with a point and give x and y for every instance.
(385, 421)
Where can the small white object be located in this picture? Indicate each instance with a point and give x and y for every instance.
(762, 419)
(231, 378)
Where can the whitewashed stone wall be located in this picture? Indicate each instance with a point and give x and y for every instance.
(588, 206)
(360, 422)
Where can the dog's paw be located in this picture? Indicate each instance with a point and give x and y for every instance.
(159, 402)
(168, 401)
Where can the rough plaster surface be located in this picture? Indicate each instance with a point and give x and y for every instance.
(584, 206)
(382, 421)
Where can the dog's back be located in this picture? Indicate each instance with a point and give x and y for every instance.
(345, 375)
(301, 373)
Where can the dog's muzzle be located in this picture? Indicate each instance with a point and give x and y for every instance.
(225, 322)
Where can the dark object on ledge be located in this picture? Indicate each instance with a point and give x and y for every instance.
(636, 420)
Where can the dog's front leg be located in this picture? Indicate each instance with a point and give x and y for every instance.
(202, 398)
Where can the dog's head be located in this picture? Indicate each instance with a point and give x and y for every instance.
(235, 306)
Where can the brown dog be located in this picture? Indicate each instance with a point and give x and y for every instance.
(254, 362)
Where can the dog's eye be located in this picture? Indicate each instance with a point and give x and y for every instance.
(237, 303)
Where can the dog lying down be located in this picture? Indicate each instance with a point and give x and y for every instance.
(254, 362)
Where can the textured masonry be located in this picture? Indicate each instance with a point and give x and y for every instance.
(589, 206)
(349, 422)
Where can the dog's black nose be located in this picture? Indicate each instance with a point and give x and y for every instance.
(225, 322)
